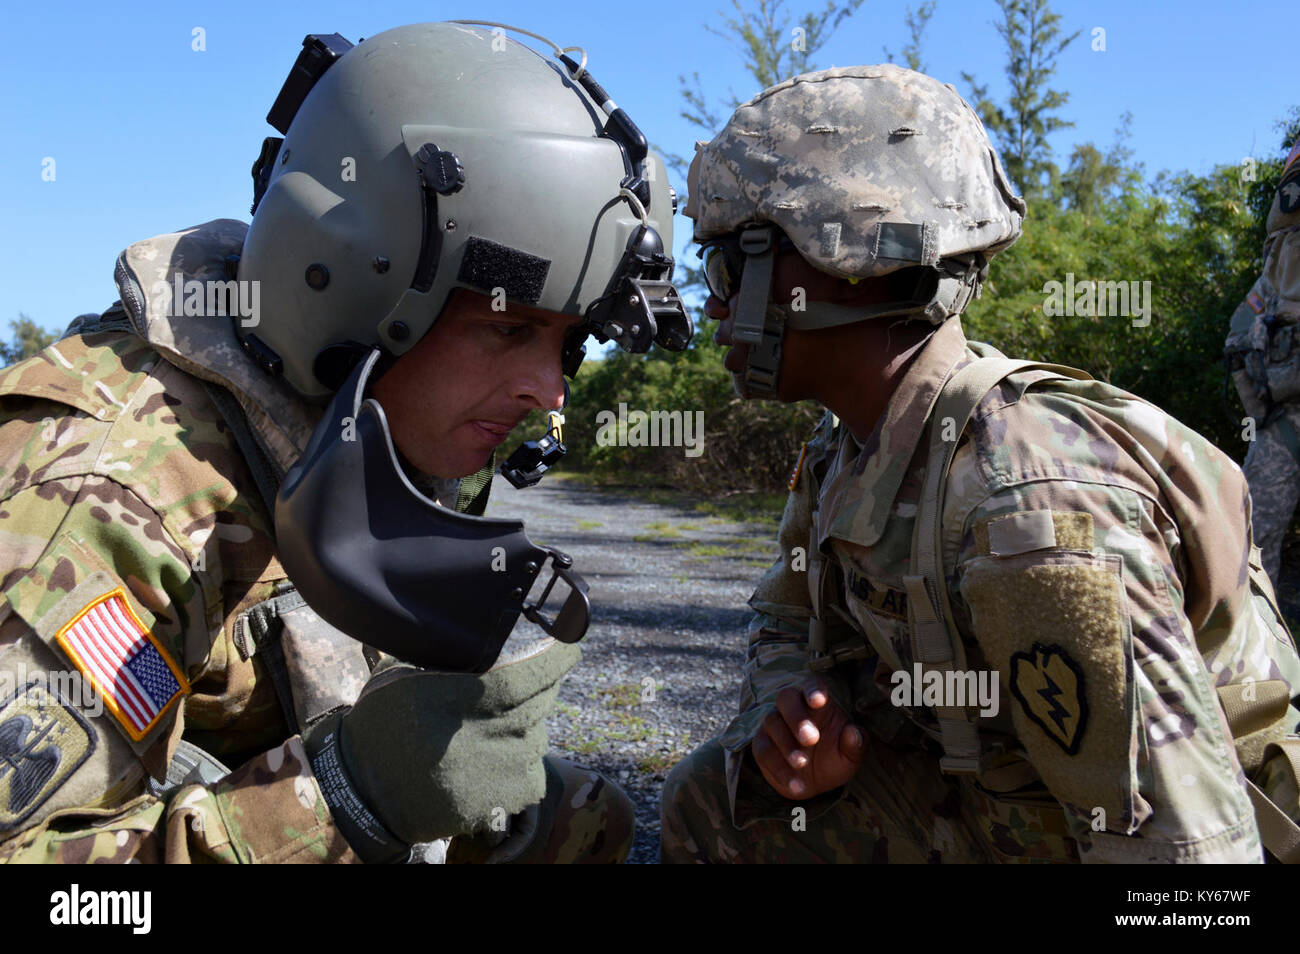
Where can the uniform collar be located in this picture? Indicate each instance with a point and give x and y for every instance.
(856, 502)
(207, 347)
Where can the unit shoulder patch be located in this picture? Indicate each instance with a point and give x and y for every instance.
(1049, 685)
(43, 741)
(1054, 624)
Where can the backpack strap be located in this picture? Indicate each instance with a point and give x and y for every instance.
(1280, 835)
(935, 643)
(1259, 709)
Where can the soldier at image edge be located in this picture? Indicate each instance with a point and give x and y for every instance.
(1263, 355)
(168, 468)
(957, 516)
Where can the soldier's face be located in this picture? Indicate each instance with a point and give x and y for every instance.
(459, 392)
(791, 277)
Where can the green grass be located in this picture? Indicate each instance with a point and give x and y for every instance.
(589, 524)
(621, 696)
(709, 550)
(743, 551)
(634, 729)
(662, 528)
(659, 763)
(756, 508)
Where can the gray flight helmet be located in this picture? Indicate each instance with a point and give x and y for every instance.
(441, 156)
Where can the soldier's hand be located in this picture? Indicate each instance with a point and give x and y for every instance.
(423, 755)
(809, 745)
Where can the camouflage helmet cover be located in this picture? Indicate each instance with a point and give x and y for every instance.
(867, 169)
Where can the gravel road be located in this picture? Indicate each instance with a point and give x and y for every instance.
(661, 661)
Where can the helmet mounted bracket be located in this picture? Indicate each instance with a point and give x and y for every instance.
(319, 52)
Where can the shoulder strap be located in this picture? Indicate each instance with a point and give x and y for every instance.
(1279, 834)
(936, 645)
(1261, 710)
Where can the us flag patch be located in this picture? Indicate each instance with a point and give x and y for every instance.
(124, 662)
(1256, 303)
(798, 467)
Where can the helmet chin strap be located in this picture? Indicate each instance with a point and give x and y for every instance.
(757, 323)
(761, 325)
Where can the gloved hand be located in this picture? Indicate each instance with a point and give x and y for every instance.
(425, 755)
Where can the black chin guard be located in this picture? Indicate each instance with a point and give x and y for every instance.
(385, 564)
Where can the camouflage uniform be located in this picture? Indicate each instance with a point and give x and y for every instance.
(1272, 468)
(1096, 552)
(1143, 594)
(121, 482)
(1262, 332)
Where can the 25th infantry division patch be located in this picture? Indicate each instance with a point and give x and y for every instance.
(1049, 685)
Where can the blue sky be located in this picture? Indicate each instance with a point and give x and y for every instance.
(149, 135)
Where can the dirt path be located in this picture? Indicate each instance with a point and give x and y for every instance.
(661, 662)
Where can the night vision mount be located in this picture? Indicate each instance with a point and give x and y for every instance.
(642, 307)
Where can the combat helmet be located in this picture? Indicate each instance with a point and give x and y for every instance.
(446, 155)
(864, 171)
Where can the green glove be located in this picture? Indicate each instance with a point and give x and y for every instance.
(425, 755)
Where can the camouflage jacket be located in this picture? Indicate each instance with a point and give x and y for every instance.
(1263, 343)
(133, 525)
(1108, 640)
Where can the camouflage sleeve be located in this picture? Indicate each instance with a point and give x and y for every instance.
(268, 811)
(1082, 597)
(101, 629)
